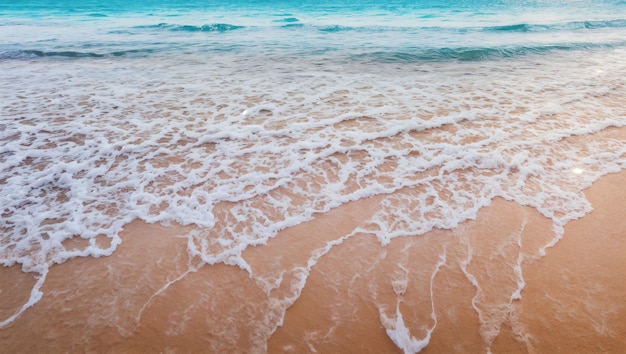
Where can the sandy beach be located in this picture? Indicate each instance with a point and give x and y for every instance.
(156, 299)
(312, 177)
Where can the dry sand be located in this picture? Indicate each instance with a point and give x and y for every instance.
(573, 301)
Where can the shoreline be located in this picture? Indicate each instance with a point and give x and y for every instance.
(156, 298)
(224, 178)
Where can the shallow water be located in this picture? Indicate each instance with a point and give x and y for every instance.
(244, 121)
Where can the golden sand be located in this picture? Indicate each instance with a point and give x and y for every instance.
(150, 297)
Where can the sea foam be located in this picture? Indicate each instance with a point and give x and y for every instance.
(85, 151)
(244, 138)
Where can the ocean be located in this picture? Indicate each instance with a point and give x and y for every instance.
(240, 124)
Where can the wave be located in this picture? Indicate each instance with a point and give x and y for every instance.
(287, 20)
(389, 55)
(214, 27)
(469, 53)
(70, 54)
(575, 25)
(293, 22)
(66, 54)
(335, 28)
(520, 27)
(292, 25)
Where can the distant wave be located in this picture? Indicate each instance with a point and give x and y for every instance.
(214, 27)
(293, 22)
(576, 25)
(521, 27)
(67, 54)
(25, 54)
(292, 25)
(469, 53)
(408, 55)
(335, 28)
(287, 20)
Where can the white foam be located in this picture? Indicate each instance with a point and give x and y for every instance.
(401, 336)
(88, 147)
(396, 328)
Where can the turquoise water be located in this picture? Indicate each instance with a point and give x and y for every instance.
(402, 31)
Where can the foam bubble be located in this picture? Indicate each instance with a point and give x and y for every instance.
(89, 147)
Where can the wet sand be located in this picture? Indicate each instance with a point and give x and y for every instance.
(149, 296)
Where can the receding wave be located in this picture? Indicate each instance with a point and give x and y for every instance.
(214, 27)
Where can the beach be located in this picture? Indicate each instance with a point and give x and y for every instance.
(312, 177)
(572, 300)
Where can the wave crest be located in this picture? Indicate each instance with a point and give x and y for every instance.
(470, 53)
(571, 26)
(214, 27)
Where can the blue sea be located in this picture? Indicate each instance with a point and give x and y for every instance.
(345, 31)
(244, 119)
